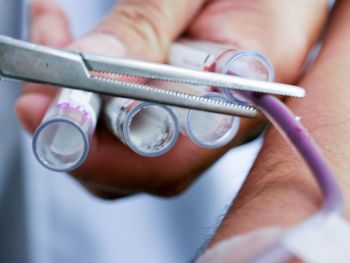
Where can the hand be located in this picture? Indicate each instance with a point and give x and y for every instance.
(280, 191)
(143, 29)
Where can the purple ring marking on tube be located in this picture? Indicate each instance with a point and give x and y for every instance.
(80, 109)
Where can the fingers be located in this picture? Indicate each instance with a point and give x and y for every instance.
(139, 29)
(282, 30)
(144, 29)
(31, 108)
(135, 28)
(44, 16)
(147, 27)
(112, 164)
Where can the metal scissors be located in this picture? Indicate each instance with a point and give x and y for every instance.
(20, 60)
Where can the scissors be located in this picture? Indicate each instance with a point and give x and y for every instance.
(24, 61)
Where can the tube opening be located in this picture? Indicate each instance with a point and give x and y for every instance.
(211, 130)
(151, 130)
(60, 145)
(250, 65)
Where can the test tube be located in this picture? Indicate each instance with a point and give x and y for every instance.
(61, 142)
(206, 129)
(211, 130)
(207, 56)
(149, 129)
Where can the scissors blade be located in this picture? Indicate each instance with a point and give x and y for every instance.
(186, 76)
(29, 62)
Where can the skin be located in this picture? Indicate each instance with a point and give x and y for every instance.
(279, 190)
(144, 29)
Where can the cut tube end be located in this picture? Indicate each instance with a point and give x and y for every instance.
(60, 145)
(250, 65)
(151, 130)
(211, 130)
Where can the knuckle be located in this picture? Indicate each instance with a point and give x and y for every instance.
(145, 22)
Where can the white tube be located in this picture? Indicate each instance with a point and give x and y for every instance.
(211, 130)
(207, 56)
(207, 129)
(61, 142)
(148, 129)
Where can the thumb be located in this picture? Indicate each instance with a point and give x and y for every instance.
(141, 29)
(284, 31)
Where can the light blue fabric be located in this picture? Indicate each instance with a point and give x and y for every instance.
(47, 217)
(13, 228)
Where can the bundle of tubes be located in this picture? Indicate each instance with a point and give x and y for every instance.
(61, 142)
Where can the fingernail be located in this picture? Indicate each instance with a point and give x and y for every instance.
(100, 43)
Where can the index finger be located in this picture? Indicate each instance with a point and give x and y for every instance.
(284, 31)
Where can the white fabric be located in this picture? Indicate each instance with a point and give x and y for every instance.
(323, 239)
(242, 248)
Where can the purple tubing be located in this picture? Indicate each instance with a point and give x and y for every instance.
(293, 131)
(286, 123)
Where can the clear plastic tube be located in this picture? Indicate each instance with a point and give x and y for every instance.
(148, 129)
(61, 142)
(208, 130)
(207, 56)
(211, 130)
